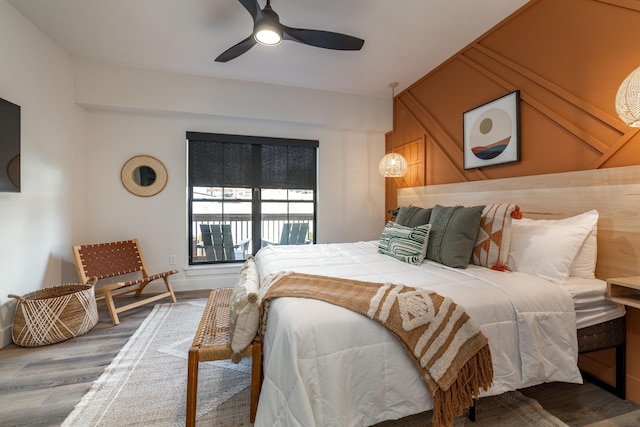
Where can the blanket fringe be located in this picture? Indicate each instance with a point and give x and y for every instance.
(477, 372)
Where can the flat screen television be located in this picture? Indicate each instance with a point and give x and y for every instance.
(9, 147)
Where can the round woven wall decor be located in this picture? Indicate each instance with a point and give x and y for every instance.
(144, 176)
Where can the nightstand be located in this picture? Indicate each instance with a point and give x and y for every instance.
(624, 290)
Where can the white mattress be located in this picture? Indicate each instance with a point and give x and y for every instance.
(327, 366)
(590, 302)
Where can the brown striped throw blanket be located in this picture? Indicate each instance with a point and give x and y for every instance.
(445, 344)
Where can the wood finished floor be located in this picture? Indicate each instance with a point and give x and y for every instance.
(40, 386)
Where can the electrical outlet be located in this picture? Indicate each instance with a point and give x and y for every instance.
(172, 260)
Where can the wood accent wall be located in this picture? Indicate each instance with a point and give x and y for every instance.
(567, 58)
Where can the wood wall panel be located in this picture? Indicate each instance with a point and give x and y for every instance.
(567, 58)
(584, 120)
(613, 192)
(414, 151)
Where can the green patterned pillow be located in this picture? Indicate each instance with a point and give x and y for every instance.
(405, 243)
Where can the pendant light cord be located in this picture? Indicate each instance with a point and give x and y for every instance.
(393, 86)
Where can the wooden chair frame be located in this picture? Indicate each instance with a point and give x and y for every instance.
(109, 260)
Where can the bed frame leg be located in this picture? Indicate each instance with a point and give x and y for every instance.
(472, 411)
(621, 371)
(621, 374)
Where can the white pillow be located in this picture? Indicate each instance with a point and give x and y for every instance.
(547, 248)
(584, 264)
(244, 310)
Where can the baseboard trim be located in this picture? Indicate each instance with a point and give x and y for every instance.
(5, 336)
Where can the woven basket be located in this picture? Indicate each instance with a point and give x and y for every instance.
(54, 314)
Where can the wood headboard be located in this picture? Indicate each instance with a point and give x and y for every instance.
(613, 192)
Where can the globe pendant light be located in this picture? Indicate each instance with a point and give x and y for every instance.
(392, 165)
(628, 99)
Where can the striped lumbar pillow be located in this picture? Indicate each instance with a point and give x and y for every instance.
(405, 243)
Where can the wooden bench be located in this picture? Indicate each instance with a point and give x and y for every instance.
(109, 260)
(212, 342)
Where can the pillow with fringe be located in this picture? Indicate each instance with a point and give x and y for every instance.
(494, 236)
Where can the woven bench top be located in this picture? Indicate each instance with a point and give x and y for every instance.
(212, 339)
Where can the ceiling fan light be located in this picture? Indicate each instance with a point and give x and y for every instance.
(267, 35)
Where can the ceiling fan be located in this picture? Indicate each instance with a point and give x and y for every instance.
(268, 30)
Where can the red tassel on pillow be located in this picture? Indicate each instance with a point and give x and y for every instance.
(500, 267)
(516, 214)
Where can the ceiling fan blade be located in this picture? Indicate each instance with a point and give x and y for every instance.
(237, 50)
(252, 7)
(323, 39)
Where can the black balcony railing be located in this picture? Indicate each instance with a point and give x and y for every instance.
(241, 228)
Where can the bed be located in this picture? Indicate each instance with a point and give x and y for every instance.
(332, 380)
(325, 365)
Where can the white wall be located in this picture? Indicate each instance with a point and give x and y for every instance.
(134, 111)
(81, 121)
(39, 224)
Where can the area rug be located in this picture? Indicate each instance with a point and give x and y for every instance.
(146, 385)
(147, 381)
(511, 409)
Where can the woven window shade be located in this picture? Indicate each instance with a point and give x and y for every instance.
(288, 167)
(251, 164)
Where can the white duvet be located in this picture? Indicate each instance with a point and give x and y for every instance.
(327, 366)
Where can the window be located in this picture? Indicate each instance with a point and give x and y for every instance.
(246, 192)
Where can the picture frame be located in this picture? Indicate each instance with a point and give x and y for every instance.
(492, 132)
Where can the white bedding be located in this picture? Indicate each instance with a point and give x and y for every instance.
(327, 366)
(590, 302)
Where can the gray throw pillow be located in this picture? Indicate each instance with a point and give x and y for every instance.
(413, 216)
(453, 234)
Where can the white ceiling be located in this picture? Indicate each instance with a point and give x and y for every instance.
(404, 39)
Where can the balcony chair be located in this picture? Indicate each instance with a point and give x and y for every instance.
(218, 245)
(292, 234)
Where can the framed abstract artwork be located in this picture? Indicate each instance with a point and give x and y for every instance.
(492, 132)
